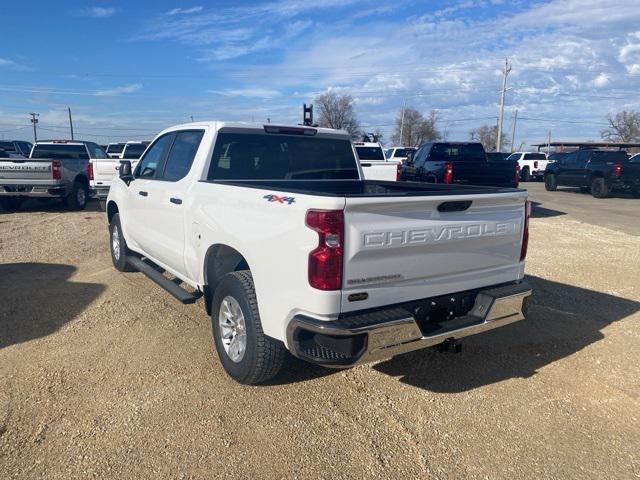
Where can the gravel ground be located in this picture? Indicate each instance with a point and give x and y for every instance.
(104, 375)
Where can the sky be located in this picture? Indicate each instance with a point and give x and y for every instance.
(128, 69)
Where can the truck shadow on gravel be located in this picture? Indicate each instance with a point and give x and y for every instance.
(37, 299)
(50, 205)
(537, 211)
(562, 320)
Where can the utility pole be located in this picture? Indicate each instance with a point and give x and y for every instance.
(404, 107)
(505, 72)
(513, 132)
(70, 123)
(34, 120)
(549, 143)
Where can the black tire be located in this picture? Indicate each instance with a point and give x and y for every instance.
(77, 198)
(119, 256)
(263, 356)
(599, 188)
(550, 183)
(525, 175)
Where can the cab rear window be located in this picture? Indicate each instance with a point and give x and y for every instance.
(249, 156)
(370, 153)
(60, 150)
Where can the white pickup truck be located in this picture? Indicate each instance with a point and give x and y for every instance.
(532, 165)
(293, 250)
(375, 166)
(105, 170)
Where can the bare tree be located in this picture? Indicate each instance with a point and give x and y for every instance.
(487, 135)
(623, 127)
(375, 136)
(336, 111)
(412, 129)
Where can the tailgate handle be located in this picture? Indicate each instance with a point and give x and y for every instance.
(144, 194)
(365, 164)
(459, 206)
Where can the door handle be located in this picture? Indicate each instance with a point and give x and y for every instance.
(144, 194)
(365, 164)
(177, 201)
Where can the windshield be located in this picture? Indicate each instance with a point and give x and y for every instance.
(370, 153)
(60, 150)
(535, 156)
(115, 147)
(134, 150)
(403, 152)
(247, 156)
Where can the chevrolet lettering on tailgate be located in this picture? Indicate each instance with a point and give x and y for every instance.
(433, 235)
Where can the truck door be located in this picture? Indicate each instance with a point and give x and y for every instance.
(565, 167)
(143, 192)
(165, 213)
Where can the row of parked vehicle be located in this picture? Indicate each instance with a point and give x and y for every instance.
(71, 170)
(599, 171)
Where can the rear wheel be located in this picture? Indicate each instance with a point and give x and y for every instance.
(525, 175)
(118, 246)
(246, 353)
(550, 183)
(599, 188)
(77, 198)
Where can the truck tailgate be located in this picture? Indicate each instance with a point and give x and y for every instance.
(105, 170)
(404, 249)
(380, 170)
(15, 171)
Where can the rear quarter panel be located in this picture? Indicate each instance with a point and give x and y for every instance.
(273, 238)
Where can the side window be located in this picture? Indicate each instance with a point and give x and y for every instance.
(96, 151)
(570, 160)
(149, 162)
(421, 155)
(582, 158)
(182, 153)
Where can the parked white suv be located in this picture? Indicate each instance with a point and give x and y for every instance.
(292, 250)
(532, 165)
(399, 153)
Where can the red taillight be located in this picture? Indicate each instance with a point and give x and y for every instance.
(325, 261)
(448, 173)
(617, 170)
(525, 233)
(398, 172)
(516, 174)
(56, 171)
(535, 164)
(90, 170)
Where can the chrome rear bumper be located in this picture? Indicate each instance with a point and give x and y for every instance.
(381, 334)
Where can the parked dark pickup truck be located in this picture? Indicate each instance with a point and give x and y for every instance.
(463, 163)
(598, 171)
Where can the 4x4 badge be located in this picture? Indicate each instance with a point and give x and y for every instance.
(276, 198)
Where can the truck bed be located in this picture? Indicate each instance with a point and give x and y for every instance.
(366, 188)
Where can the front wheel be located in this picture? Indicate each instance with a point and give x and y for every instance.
(246, 353)
(599, 188)
(77, 198)
(118, 246)
(550, 183)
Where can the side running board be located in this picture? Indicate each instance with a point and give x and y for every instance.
(171, 286)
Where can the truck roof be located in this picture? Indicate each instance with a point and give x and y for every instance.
(217, 124)
(65, 142)
(367, 144)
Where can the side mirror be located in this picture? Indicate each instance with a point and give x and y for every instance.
(125, 171)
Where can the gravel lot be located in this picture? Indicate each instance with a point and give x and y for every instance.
(104, 375)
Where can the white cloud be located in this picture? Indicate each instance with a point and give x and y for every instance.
(185, 11)
(601, 80)
(248, 92)
(131, 88)
(98, 12)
